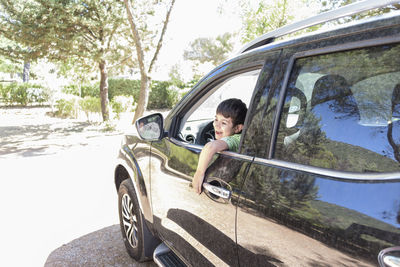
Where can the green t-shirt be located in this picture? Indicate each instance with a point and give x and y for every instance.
(233, 142)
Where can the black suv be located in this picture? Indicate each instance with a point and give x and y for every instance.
(316, 181)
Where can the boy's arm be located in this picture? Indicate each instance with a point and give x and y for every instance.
(205, 158)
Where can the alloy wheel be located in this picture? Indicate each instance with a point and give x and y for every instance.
(129, 219)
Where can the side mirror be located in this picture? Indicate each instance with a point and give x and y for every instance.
(150, 128)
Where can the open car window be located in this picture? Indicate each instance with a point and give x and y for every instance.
(196, 126)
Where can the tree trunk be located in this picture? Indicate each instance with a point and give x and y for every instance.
(143, 96)
(145, 79)
(25, 74)
(104, 90)
(144, 85)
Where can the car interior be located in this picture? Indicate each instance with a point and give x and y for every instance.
(197, 124)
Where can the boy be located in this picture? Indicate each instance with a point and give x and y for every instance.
(228, 124)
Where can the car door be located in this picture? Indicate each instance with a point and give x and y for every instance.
(201, 228)
(326, 193)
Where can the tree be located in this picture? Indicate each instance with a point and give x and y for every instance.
(144, 41)
(68, 31)
(267, 16)
(8, 64)
(10, 67)
(210, 49)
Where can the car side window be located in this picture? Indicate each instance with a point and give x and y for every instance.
(342, 111)
(196, 126)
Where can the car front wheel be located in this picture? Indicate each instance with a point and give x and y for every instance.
(130, 219)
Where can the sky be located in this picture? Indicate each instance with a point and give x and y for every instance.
(191, 19)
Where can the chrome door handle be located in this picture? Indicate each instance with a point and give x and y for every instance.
(218, 191)
(387, 260)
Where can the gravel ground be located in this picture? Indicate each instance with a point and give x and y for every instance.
(101, 248)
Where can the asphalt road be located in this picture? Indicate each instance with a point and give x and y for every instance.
(58, 202)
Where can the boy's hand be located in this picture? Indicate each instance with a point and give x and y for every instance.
(205, 158)
(198, 181)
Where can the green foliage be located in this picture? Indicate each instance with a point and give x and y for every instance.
(84, 34)
(71, 89)
(175, 77)
(19, 95)
(121, 104)
(7, 65)
(90, 90)
(37, 94)
(124, 87)
(62, 30)
(210, 50)
(67, 108)
(23, 94)
(83, 90)
(124, 92)
(268, 16)
(90, 104)
(162, 96)
(5, 94)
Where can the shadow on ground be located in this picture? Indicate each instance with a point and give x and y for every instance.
(45, 139)
(101, 248)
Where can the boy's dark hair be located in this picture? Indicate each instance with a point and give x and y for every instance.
(233, 108)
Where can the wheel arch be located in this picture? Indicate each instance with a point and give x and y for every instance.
(149, 238)
(128, 168)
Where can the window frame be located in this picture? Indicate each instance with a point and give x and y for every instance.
(202, 90)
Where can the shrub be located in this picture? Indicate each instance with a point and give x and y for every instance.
(90, 104)
(5, 94)
(37, 94)
(121, 104)
(19, 94)
(162, 95)
(92, 90)
(82, 91)
(71, 89)
(123, 87)
(24, 94)
(67, 107)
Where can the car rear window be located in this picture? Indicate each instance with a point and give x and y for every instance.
(342, 111)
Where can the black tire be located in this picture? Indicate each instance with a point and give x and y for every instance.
(131, 221)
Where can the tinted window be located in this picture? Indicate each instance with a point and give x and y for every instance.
(342, 111)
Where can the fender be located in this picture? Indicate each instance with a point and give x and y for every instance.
(127, 165)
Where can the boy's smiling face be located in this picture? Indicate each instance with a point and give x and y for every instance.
(223, 127)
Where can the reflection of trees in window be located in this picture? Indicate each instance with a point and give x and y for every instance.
(310, 145)
(280, 189)
(298, 189)
(395, 121)
(334, 92)
(398, 216)
(176, 158)
(355, 92)
(226, 169)
(354, 65)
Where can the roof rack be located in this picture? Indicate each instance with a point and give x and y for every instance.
(347, 10)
